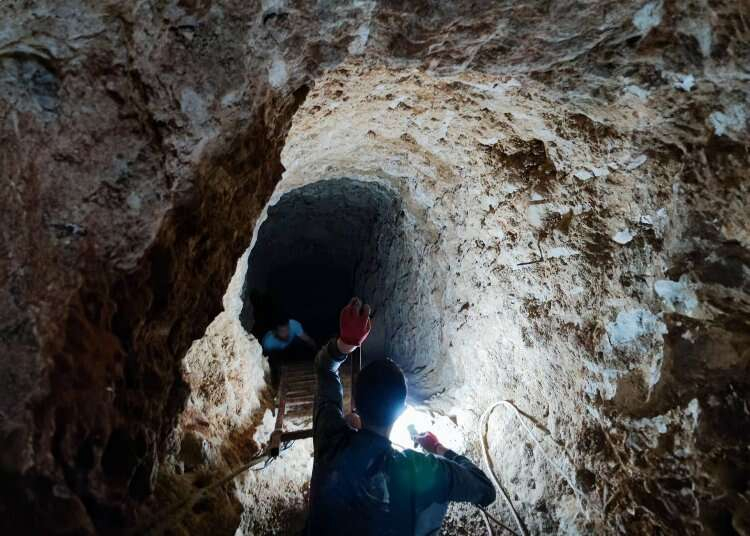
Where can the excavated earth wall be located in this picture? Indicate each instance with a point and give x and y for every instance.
(605, 143)
(558, 279)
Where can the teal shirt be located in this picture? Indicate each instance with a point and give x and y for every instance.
(271, 343)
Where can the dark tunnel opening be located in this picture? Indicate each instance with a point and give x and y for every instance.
(314, 251)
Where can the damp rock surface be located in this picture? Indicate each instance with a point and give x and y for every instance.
(572, 234)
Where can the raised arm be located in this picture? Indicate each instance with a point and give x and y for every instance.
(328, 414)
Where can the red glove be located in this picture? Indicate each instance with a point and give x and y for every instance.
(429, 442)
(354, 323)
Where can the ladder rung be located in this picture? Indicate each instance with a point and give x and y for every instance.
(296, 434)
(299, 413)
(298, 403)
(300, 395)
(309, 371)
(299, 382)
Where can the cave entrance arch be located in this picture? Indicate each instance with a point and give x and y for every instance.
(319, 245)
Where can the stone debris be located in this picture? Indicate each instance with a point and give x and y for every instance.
(623, 236)
(731, 121)
(685, 82)
(677, 295)
(636, 162)
(630, 327)
(649, 16)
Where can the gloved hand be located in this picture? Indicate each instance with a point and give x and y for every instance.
(430, 443)
(354, 323)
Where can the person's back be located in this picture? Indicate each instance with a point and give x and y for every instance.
(360, 484)
(361, 488)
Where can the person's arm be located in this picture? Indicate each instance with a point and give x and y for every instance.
(447, 476)
(328, 412)
(296, 330)
(267, 343)
(307, 339)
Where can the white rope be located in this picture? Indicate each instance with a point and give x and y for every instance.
(522, 419)
(487, 525)
(487, 517)
(486, 458)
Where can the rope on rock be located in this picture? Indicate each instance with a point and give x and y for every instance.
(522, 417)
(485, 456)
(172, 513)
(487, 516)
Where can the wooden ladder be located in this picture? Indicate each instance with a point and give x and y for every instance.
(296, 396)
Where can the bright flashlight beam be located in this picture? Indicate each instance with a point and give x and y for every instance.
(446, 430)
(400, 435)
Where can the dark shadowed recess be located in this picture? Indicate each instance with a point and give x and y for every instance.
(305, 262)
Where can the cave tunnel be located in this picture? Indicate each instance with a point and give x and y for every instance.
(315, 250)
(545, 206)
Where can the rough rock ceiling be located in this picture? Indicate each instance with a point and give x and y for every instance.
(139, 142)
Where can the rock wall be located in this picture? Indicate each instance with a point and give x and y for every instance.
(556, 278)
(139, 142)
(226, 375)
(403, 277)
(135, 157)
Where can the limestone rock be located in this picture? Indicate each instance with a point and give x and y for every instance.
(140, 142)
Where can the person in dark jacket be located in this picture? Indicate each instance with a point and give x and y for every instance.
(360, 484)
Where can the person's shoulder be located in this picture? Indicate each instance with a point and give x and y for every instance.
(335, 443)
(268, 339)
(295, 327)
(409, 464)
(422, 461)
(410, 456)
